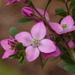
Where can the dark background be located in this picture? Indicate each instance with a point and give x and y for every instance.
(8, 18)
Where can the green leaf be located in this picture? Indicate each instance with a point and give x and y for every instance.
(24, 20)
(67, 67)
(60, 12)
(73, 18)
(54, 58)
(73, 11)
(19, 46)
(14, 55)
(21, 57)
(13, 31)
(72, 4)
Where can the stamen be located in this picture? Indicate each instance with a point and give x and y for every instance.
(64, 26)
(35, 41)
(12, 48)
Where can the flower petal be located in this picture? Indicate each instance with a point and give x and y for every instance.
(38, 31)
(24, 37)
(69, 21)
(6, 55)
(47, 46)
(71, 44)
(6, 46)
(53, 54)
(41, 11)
(10, 2)
(56, 27)
(72, 29)
(32, 53)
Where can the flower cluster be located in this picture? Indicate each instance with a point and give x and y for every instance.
(36, 43)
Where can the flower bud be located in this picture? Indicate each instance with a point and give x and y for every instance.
(71, 44)
(66, 40)
(50, 36)
(27, 11)
(13, 1)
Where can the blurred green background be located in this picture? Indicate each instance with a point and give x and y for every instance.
(8, 17)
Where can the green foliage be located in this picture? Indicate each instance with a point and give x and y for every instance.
(60, 12)
(13, 31)
(54, 58)
(72, 4)
(24, 20)
(73, 13)
(68, 67)
(64, 54)
(20, 56)
(19, 46)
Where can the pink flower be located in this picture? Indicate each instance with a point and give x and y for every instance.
(9, 47)
(13, 1)
(53, 54)
(35, 42)
(42, 13)
(71, 44)
(29, 12)
(66, 25)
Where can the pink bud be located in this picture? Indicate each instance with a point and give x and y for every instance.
(66, 40)
(13, 1)
(50, 36)
(71, 44)
(27, 11)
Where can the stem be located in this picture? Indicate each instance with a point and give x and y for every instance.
(41, 61)
(45, 62)
(65, 2)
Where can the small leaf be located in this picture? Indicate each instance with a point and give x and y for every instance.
(72, 4)
(73, 11)
(13, 31)
(14, 56)
(67, 67)
(54, 58)
(24, 20)
(21, 57)
(73, 18)
(60, 12)
(19, 46)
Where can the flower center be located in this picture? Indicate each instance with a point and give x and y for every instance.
(64, 26)
(12, 48)
(35, 41)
